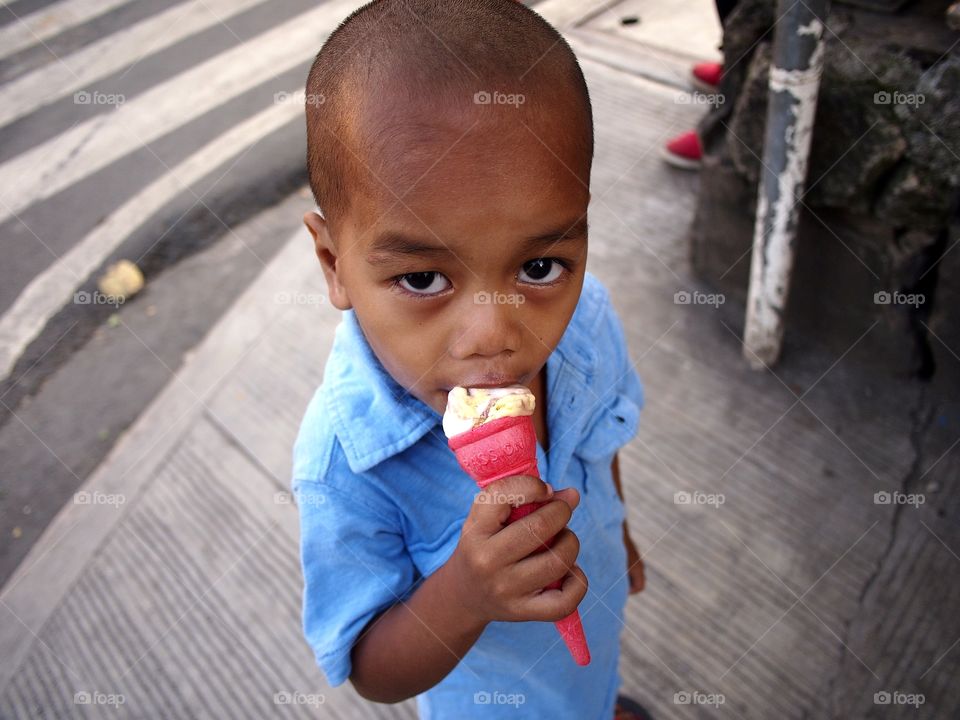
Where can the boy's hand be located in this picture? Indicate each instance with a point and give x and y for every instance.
(496, 573)
(634, 564)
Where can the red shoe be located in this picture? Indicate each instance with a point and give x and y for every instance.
(706, 76)
(684, 151)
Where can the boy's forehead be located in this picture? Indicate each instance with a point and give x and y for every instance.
(439, 212)
(425, 156)
(450, 165)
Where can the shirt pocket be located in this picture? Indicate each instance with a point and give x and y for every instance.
(611, 427)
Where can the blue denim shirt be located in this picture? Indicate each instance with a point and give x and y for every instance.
(382, 501)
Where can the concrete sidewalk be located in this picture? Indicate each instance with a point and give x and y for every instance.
(777, 585)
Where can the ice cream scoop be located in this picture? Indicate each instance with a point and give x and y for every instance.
(469, 407)
(491, 432)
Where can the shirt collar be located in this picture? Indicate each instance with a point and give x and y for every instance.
(374, 417)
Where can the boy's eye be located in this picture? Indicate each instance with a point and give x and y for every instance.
(424, 283)
(541, 271)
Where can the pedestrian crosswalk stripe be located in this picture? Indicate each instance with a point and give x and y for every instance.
(112, 53)
(89, 146)
(43, 24)
(53, 287)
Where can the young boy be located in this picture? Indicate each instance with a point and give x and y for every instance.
(449, 151)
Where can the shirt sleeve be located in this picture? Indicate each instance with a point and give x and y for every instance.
(355, 565)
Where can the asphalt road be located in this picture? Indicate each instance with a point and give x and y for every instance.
(162, 132)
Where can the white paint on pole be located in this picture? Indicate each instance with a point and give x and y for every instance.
(776, 222)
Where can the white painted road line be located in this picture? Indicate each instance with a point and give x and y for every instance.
(49, 21)
(54, 287)
(81, 70)
(61, 162)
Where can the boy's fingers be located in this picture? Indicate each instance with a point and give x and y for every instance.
(553, 605)
(527, 534)
(540, 569)
(492, 505)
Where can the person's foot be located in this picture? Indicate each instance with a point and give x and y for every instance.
(684, 151)
(705, 76)
(630, 709)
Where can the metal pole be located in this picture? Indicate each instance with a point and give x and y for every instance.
(794, 83)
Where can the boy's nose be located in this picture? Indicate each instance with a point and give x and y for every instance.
(488, 329)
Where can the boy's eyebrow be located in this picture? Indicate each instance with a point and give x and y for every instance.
(396, 243)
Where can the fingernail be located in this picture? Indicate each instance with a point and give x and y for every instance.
(549, 488)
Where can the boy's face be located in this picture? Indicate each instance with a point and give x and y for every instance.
(464, 255)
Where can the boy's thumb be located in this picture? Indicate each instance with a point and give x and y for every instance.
(571, 496)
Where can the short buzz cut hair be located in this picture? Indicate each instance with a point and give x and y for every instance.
(441, 51)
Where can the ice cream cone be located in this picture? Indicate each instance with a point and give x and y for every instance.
(501, 448)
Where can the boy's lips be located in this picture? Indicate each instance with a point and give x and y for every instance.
(486, 381)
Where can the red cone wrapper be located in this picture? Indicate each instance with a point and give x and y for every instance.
(501, 448)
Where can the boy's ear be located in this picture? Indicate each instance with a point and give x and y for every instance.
(327, 255)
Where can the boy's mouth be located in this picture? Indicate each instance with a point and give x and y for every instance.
(486, 381)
